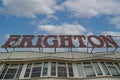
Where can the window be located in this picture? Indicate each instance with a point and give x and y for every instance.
(62, 72)
(27, 73)
(4, 71)
(80, 69)
(53, 69)
(11, 71)
(62, 69)
(105, 68)
(36, 71)
(88, 68)
(112, 69)
(33, 70)
(70, 70)
(118, 66)
(97, 68)
(45, 69)
(19, 70)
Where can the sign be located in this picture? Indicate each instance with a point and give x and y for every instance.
(61, 41)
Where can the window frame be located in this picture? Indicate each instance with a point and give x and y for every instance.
(90, 65)
(33, 66)
(55, 69)
(82, 70)
(65, 66)
(43, 69)
(112, 67)
(68, 72)
(10, 67)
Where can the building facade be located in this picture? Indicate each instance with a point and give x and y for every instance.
(59, 66)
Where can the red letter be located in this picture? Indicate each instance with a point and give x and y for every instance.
(93, 44)
(64, 38)
(39, 41)
(12, 38)
(82, 45)
(28, 39)
(55, 42)
(108, 40)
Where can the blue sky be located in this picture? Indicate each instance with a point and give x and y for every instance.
(68, 17)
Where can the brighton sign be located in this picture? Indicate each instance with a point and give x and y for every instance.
(59, 41)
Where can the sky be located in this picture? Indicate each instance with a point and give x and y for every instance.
(59, 17)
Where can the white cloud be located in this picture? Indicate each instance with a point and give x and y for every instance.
(111, 33)
(109, 7)
(6, 36)
(116, 21)
(52, 17)
(91, 8)
(68, 29)
(28, 8)
(79, 8)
